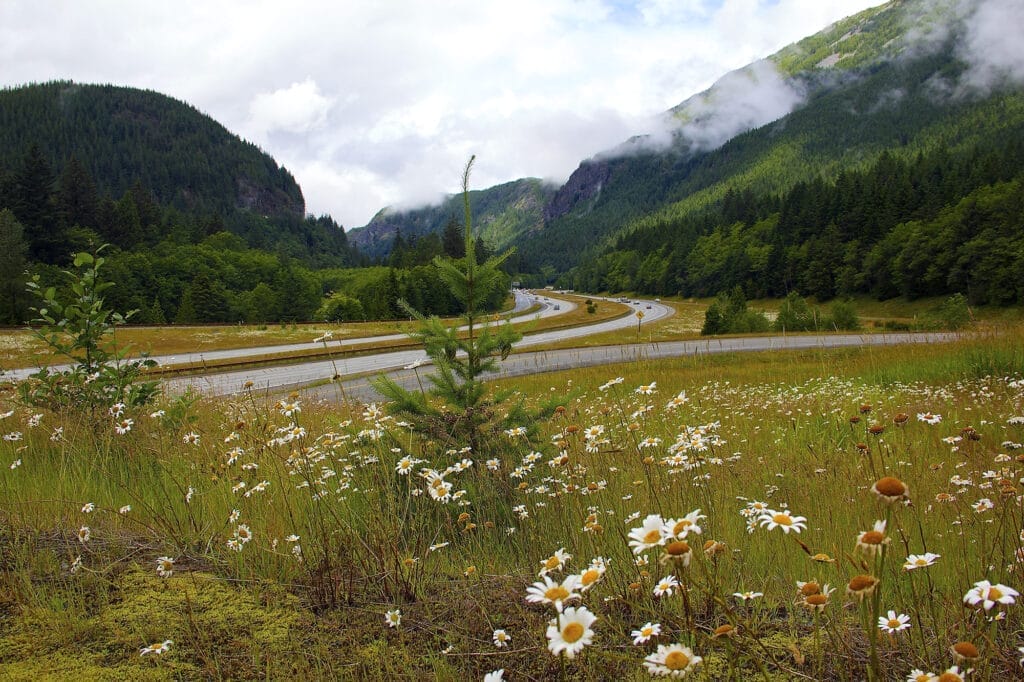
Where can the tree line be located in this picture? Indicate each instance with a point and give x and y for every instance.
(939, 223)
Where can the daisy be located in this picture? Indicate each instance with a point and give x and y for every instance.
(918, 675)
(84, 534)
(953, 674)
(678, 401)
(648, 535)
(191, 438)
(890, 489)
(592, 574)
(674, 660)
(501, 638)
(393, 618)
(551, 592)
(164, 566)
(645, 633)
(861, 586)
(495, 675)
(570, 631)
(920, 561)
(680, 528)
(891, 622)
(784, 520)
(158, 648)
(555, 562)
(929, 418)
(748, 595)
(677, 552)
(88, 508)
(647, 389)
(666, 586)
(871, 541)
(988, 595)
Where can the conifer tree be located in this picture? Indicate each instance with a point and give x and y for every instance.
(463, 411)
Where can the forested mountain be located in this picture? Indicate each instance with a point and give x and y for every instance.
(500, 213)
(124, 136)
(201, 226)
(895, 79)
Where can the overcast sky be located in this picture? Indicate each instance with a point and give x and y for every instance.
(371, 104)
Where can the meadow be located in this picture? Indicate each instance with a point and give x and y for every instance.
(808, 515)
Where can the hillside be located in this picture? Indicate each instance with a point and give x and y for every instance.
(500, 213)
(122, 136)
(830, 103)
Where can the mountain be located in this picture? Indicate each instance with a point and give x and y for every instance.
(904, 77)
(122, 136)
(500, 214)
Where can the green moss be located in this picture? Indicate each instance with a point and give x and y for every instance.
(229, 631)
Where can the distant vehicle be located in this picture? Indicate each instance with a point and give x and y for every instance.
(657, 300)
(558, 307)
(648, 306)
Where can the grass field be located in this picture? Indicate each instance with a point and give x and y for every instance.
(20, 348)
(727, 500)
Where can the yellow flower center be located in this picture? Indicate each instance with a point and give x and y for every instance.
(590, 576)
(556, 593)
(652, 536)
(783, 519)
(893, 623)
(572, 632)
(816, 600)
(647, 632)
(950, 677)
(552, 563)
(920, 562)
(676, 660)
(994, 594)
(683, 525)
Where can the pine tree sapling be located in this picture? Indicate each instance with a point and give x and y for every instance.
(460, 356)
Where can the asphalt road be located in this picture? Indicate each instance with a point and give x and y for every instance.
(301, 374)
(520, 364)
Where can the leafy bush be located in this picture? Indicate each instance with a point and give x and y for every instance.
(81, 329)
(339, 308)
(729, 315)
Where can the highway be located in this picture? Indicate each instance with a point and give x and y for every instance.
(535, 362)
(301, 374)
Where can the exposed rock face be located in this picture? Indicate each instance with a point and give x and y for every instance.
(268, 200)
(583, 185)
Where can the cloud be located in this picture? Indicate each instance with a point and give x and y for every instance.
(374, 104)
(740, 101)
(994, 45)
(299, 108)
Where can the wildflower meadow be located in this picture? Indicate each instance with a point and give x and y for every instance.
(813, 515)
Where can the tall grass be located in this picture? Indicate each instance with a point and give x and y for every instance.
(291, 573)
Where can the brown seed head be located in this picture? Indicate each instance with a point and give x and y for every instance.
(890, 489)
(810, 588)
(964, 651)
(723, 631)
(861, 585)
(677, 548)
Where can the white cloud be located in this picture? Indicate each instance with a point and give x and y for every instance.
(371, 104)
(740, 101)
(994, 45)
(299, 108)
